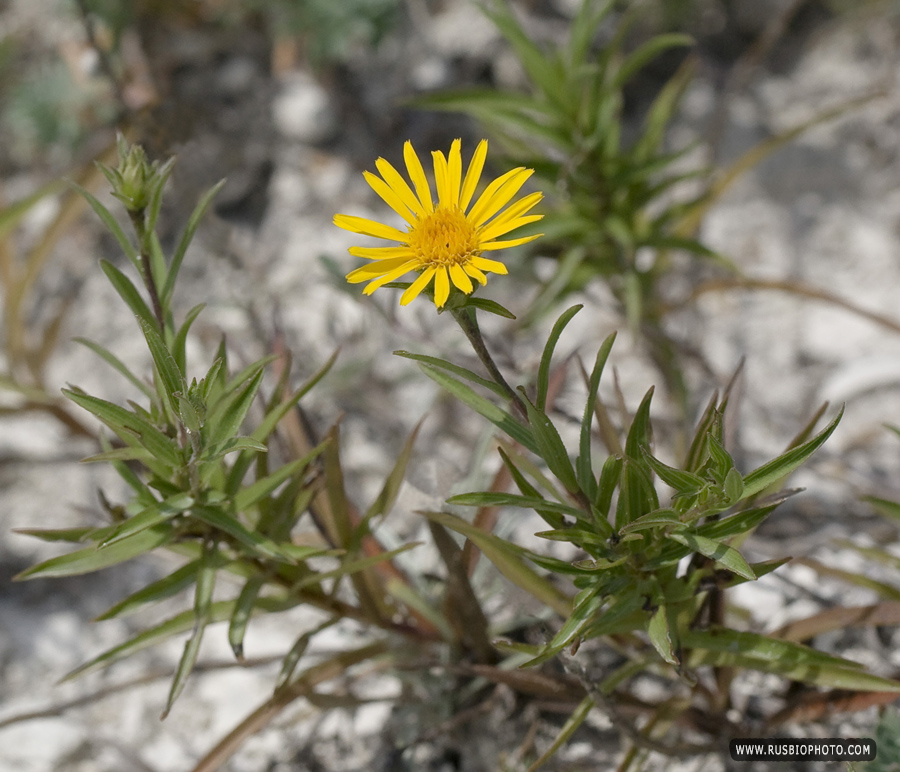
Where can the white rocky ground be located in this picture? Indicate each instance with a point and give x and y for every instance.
(824, 210)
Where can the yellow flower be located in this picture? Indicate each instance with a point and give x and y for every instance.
(444, 242)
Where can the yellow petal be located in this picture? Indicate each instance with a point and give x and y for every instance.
(412, 292)
(493, 245)
(491, 266)
(371, 270)
(390, 197)
(368, 227)
(498, 228)
(441, 181)
(498, 200)
(390, 276)
(441, 287)
(460, 279)
(473, 174)
(381, 253)
(454, 173)
(475, 215)
(475, 273)
(398, 185)
(513, 212)
(417, 175)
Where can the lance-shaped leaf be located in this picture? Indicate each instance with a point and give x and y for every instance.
(113, 361)
(660, 635)
(206, 582)
(770, 473)
(581, 617)
(584, 464)
(119, 419)
(500, 418)
(149, 517)
(488, 499)
(226, 418)
(725, 556)
(180, 623)
(128, 292)
(179, 345)
(507, 560)
(729, 648)
(543, 380)
(255, 492)
(159, 590)
(90, 559)
(237, 627)
(568, 729)
(110, 222)
(233, 527)
(181, 249)
(462, 372)
(550, 446)
(553, 519)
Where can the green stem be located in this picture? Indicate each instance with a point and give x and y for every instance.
(137, 220)
(465, 317)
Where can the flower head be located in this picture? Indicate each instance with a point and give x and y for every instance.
(444, 241)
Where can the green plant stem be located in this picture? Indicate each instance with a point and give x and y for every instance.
(466, 319)
(137, 220)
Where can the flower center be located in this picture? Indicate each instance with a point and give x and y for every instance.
(444, 237)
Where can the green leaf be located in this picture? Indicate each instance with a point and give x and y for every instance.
(73, 535)
(156, 513)
(489, 499)
(550, 446)
(252, 494)
(640, 433)
(118, 418)
(241, 616)
(507, 560)
(159, 590)
(606, 486)
(582, 615)
(456, 370)
(128, 292)
(180, 343)
(178, 257)
(120, 454)
(232, 445)
(110, 222)
(225, 420)
(582, 30)
(92, 558)
(652, 520)
(660, 637)
(166, 366)
(277, 412)
(206, 582)
(584, 470)
(645, 53)
(553, 519)
(500, 418)
(113, 361)
(683, 482)
(777, 469)
(726, 556)
(354, 566)
(543, 381)
(490, 306)
(637, 495)
(233, 527)
(545, 73)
